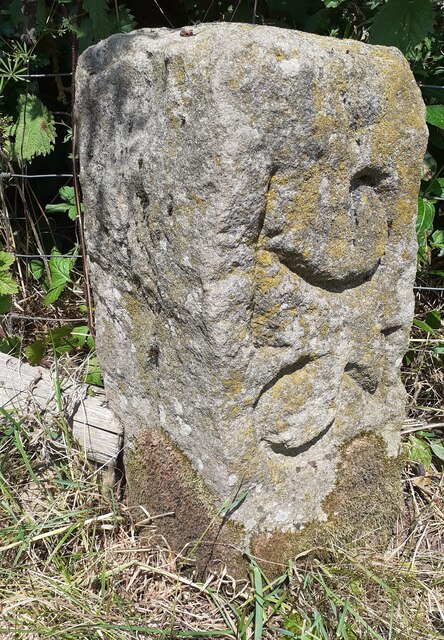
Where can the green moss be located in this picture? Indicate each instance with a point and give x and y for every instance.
(161, 479)
(361, 510)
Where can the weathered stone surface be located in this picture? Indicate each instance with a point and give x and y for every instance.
(251, 196)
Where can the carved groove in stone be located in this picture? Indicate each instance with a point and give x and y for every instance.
(281, 449)
(321, 281)
(288, 370)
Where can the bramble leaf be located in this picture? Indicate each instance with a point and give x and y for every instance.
(6, 260)
(69, 203)
(60, 269)
(7, 284)
(36, 269)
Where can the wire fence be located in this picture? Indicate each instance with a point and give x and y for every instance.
(5, 176)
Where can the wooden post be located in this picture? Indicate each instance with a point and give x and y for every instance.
(86, 408)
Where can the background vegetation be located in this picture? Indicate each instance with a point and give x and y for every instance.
(58, 521)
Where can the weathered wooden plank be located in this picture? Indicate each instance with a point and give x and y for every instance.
(93, 423)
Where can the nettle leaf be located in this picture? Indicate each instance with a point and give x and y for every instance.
(60, 269)
(435, 115)
(15, 13)
(402, 23)
(34, 131)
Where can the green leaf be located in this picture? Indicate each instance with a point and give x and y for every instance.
(438, 450)
(402, 23)
(435, 115)
(61, 339)
(6, 260)
(7, 284)
(15, 11)
(57, 208)
(424, 223)
(36, 269)
(94, 375)
(438, 350)
(11, 345)
(72, 213)
(433, 319)
(332, 4)
(429, 167)
(422, 325)
(60, 270)
(436, 187)
(81, 336)
(67, 194)
(420, 452)
(68, 205)
(5, 303)
(437, 241)
(35, 351)
(98, 12)
(34, 131)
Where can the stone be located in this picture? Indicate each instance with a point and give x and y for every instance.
(250, 203)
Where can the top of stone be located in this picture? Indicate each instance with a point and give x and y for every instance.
(234, 34)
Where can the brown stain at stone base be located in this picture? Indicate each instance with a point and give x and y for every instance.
(160, 478)
(362, 508)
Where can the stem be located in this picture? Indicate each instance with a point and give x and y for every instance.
(75, 180)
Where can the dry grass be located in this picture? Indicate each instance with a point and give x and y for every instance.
(76, 563)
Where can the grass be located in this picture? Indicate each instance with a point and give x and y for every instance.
(75, 562)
